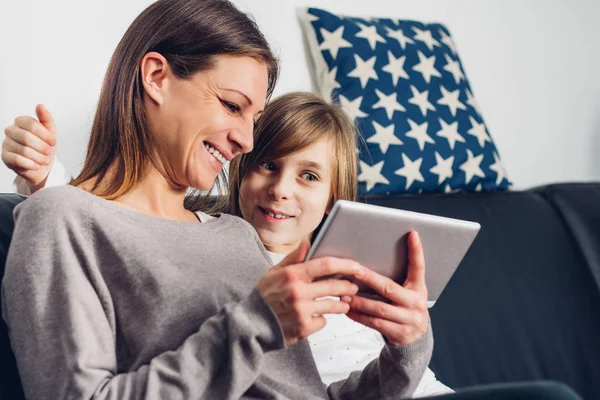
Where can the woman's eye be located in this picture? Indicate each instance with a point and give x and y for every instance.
(309, 177)
(234, 108)
(268, 165)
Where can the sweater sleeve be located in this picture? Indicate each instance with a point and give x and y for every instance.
(63, 331)
(395, 374)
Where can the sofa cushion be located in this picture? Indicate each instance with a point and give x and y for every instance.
(404, 84)
(521, 305)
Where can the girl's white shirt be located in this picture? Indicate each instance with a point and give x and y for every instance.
(341, 347)
(58, 176)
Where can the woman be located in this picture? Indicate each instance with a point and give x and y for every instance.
(302, 163)
(122, 293)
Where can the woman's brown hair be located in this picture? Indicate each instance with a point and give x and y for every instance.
(291, 123)
(189, 34)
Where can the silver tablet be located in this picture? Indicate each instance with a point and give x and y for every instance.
(376, 237)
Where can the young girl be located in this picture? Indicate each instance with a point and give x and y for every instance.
(304, 160)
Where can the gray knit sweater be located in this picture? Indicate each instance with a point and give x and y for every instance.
(108, 303)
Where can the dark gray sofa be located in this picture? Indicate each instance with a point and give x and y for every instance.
(524, 304)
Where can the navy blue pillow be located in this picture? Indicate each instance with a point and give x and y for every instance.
(404, 85)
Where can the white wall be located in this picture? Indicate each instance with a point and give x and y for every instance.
(534, 66)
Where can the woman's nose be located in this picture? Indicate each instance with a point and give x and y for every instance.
(243, 137)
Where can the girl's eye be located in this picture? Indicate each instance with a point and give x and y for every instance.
(309, 177)
(234, 108)
(268, 165)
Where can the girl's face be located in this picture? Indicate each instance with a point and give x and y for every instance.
(207, 120)
(285, 199)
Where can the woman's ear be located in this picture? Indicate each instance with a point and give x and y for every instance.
(155, 73)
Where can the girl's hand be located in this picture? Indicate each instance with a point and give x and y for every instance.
(290, 290)
(406, 318)
(29, 147)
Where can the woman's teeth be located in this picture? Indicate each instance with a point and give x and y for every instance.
(216, 154)
(278, 216)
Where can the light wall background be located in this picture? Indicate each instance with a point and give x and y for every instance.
(534, 66)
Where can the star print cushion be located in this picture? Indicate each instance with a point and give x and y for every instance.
(404, 85)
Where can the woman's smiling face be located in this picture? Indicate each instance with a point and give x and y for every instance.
(208, 119)
(285, 199)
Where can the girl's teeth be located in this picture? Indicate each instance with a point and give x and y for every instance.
(277, 216)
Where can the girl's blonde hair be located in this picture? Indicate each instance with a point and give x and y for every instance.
(291, 123)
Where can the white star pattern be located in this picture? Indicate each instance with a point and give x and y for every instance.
(410, 100)
(447, 40)
(421, 100)
(454, 68)
(410, 170)
(364, 70)
(330, 83)
(426, 67)
(370, 33)
(372, 174)
(384, 137)
(395, 67)
(399, 36)
(450, 132)
(478, 130)
(333, 41)
(443, 168)
(450, 99)
(389, 102)
(419, 133)
(498, 168)
(426, 37)
(352, 108)
(471, 167)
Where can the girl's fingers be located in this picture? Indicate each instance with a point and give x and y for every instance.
(37, 128)
(27, 138)
(28, 152)
(18, 163)
(46, 119)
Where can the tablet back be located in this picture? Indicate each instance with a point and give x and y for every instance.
(376, 237)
